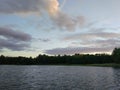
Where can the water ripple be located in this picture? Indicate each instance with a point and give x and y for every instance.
(59, 78)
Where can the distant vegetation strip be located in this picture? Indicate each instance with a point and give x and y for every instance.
(105, 65)
(77, 59)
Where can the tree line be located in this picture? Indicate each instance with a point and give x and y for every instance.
(63, 60)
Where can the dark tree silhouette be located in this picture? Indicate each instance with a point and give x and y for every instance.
(65, 59)
(116, 55)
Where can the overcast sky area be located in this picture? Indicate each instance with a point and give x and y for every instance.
(52, 27)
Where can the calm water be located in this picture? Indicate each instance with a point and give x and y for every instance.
(59, 78)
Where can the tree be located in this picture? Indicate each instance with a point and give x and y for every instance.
(116, 55)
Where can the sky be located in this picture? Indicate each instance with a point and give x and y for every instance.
(52, 27)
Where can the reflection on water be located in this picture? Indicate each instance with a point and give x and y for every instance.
(59, 78)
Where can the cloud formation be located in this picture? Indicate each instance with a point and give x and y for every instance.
(90, 42)
(44, 40)
(13, 40)
(73, 50)
(88, 46)
(39, 7)
(18, 35)
(97, 46)
(64, 21)
(92, 35)
(101, 43)
(28, 6)
(12, 45)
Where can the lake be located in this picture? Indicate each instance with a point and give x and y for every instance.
(59, 78)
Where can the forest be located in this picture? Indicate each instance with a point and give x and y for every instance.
(77, 59)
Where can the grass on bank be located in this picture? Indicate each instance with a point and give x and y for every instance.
(96, 65)
(104, 65)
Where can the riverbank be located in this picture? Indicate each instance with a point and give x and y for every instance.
(96, 65)
(104, 65)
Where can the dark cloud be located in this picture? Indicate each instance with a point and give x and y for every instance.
(12, 45)
(73, 50)
(13, 40)
(18, 35)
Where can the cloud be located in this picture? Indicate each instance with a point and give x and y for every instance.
(13, 40)
(39, 7)
(87, 46)
(92, 35)
(12, 45)
(98, 43)
(73, 50)
(44, 40)
(63, 21)
(18, 35)
(28, 6)
(89, 42)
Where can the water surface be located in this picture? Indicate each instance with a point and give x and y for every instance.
(59, 78)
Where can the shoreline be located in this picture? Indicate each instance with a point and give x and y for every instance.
(94, 65)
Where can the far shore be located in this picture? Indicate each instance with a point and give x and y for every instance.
(95, 65)
(104, 65)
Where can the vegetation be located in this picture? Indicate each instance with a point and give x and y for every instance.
(116, 55)
(77, 59)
